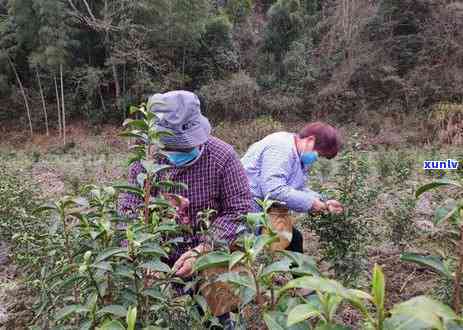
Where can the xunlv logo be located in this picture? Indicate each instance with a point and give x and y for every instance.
(449, 164)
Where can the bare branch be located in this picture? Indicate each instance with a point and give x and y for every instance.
(89, 10)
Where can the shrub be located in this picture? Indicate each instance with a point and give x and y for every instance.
(238, 10)
(256, 129)
(274, 102)
(18, 198)
(403, 165)
(400, 220)
(384, 165)
(448, 122)
(394, 166)
(343, 237)
(235, 98)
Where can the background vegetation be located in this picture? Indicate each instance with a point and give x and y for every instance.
(63, 60)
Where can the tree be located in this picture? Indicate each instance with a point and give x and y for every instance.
(283, 27)
(238, 10)
(17, 37)
(53, 52)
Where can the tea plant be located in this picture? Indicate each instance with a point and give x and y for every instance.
(343, 237)
(394, 167)
(113, 273)
(417, 313)
(253, 268)
(18, 226)
(384, 165)
(451, 212)
(403, 165)
(280, 309)
(400, 220)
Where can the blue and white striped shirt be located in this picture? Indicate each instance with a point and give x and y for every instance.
(274, 169)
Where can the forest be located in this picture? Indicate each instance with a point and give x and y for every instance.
(75, 79)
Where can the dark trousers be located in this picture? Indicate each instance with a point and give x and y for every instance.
(297, 243)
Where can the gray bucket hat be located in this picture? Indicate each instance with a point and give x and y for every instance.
(179, 112)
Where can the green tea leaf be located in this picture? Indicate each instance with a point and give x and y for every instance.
(117, 310)
(154, 293)
(131, 318)
(235, 258)
(434, 262)
(261, 242)
(41, 209)
(213, 259)
(436, 184)
(421, 310)
(69, 310)
(306, 264)
(152, 168)
(135, 190)
(237, 279)
(123, 271)
(156, 266)
(111, 325)
(169, 185)
(106, 266)
(301, 313)
(378, 287)
(271, 323)
(446, 212)
(153, 248)
(325, 285)
(136, 123)
(109, 253)
(277, 267)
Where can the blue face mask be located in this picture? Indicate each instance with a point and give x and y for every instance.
(179, 158)
(309, 158)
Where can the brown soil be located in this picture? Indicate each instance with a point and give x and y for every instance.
(403, 280)
(15, 298)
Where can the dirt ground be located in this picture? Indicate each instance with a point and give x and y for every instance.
(15, 299)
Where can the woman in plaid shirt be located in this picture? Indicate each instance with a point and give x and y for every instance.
(208, 166)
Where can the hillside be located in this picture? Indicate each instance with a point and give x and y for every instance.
(245, 58)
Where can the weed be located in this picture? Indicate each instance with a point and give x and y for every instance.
(402, 166)
(36, 156)
(394, 166)
(384, 165)
(400, 220)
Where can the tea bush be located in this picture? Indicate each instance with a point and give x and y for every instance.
(449, 268)
(394, 166)
(400, 220)
(18, 199)
(343, 237)
(108, 272)
(384, 165)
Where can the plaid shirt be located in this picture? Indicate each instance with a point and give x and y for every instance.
(216, 180)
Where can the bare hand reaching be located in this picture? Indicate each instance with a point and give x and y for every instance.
(318, 206)
(334, 207)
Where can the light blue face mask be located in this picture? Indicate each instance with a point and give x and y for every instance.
(309, 158)
(180, 158)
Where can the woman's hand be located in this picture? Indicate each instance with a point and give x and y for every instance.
(334, 207)
(184, 265)
(318, 206)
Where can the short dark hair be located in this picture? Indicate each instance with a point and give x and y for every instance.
(327, 138)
